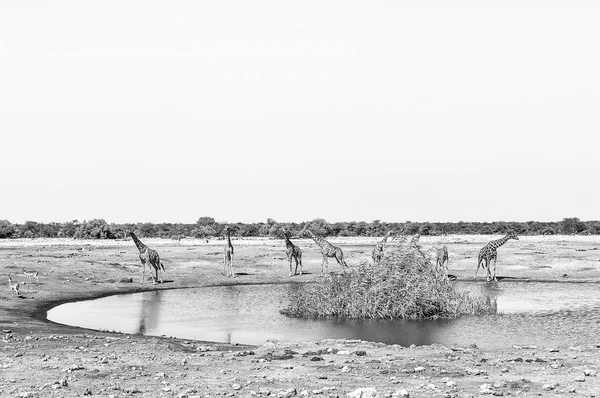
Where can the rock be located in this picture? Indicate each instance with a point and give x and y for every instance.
(403, 392)
(500, 384)
(363, 393)
(345, 369)
(475, 372)
(288, 393)
(87, 391)
(360, 353)
(236, 387)
(549, 387)
(580, 378)
(450, 383)
(485, 389)
(316, 358)
(419, 369)
(341, 352)
(589, 372)
(126, 280)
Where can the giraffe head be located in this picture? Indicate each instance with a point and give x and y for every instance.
(512, 235)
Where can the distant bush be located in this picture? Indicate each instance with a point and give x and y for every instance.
(7, 230)
(94, 229)
(405, 285)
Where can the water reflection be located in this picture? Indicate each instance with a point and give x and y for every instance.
(149, 311)
(250, 315)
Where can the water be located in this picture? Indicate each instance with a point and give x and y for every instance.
(546, 314)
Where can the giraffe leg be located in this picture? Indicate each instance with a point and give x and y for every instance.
(231, 265)
(143, 271)
(323, 263)
(489, 274)
(290, 258)
(495, 279)
(224, 264)
(478, 265)
(340, 260)
(300, 261)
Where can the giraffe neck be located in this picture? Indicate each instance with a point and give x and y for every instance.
(229, 238)
(138, 242)
(500, 242)
(288, 242)
(319, 241)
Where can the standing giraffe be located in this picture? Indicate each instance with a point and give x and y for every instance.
(329, 250)
(378, 250)
(488, 253)
(293, 252)
(441, 257)
(228, 260)
(148, 257)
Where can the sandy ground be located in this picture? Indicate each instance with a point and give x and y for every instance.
(40, 359)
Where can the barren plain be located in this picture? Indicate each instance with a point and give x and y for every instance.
(39, 358)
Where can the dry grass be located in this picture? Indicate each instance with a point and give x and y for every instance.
(406, 285)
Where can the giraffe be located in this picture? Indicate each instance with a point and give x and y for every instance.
(228, 260)
(148, 257)
(328, 250)
(488, 253)
(377, 253)
(441, 257)
(293, 252)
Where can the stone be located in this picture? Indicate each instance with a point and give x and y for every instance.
(589, 372)
(548, 387)
(403, 392)
(369, 392)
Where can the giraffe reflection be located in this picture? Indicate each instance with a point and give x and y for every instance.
(150, 310)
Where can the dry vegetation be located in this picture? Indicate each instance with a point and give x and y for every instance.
(405, 285)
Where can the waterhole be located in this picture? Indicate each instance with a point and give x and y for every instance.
(545, 314)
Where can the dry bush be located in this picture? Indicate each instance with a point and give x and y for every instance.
(405, 285)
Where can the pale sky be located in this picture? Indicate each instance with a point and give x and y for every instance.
(166, 111)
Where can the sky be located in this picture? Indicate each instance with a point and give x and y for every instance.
(167, 111)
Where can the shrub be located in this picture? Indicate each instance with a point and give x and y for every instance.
(406, 285)
(7, 230)
(94, 229)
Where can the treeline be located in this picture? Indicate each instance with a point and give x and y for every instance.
(207, 227)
